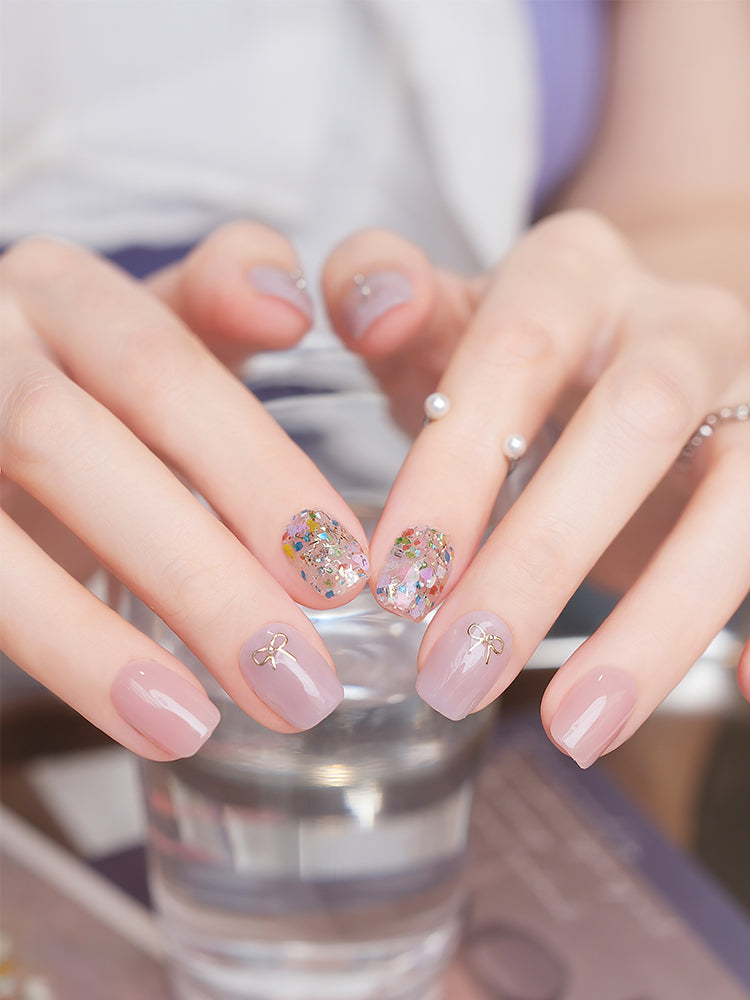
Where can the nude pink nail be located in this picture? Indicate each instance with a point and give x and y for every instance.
(374, 295)
(290, 286)
(592, 714)
(289, 675)
(465, 664)
(168, 710)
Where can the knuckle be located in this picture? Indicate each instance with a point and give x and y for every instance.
(156, 357)
(579, 239)
(652, 399)
(32, 411)
(728, 318)
(540, 558)
(528, 343)
(39, 258)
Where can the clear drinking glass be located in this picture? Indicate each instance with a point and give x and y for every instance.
(324, 865)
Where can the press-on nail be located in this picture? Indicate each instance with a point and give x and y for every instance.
(289, 675)
(592, 714)
(415, 572)
(290, 286)
(168, 710)
(328, 558)
(464, 664)
(372, 296)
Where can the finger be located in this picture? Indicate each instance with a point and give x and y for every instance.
(76, 646)
(404, 316)
(697, 580)
(623, 438)
(168, 548)
(57, 541)
(536, 324)
(241, 290)
(174, 395)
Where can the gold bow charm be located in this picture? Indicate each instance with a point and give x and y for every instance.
(267, 654)
(479, 637)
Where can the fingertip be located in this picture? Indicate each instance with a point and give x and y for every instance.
(380, 292)
(243, 290)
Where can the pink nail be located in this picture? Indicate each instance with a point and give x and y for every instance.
(168, 710)
(592, 714)
(289, 675)
(374, 295)
(415, 572)
(328, 557)
(464, 664)
(290, 286)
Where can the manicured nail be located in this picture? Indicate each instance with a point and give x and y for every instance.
(289, 675)
(170, 711)
(464, 664)
(592, 714)
(372, 296)
(415, 572)
(290, 286)
(328, 558)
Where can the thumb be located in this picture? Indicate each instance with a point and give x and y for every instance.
(403, 315)
(241, 290)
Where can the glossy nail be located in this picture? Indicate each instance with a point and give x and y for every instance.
(372, 296)
(592, 714)
(290, 286)
(464, 664)
(168, 710)
(415, 572)
(289, 675)
(328, 558)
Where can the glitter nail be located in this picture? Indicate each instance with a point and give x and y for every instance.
(329, 559)
(415, 572)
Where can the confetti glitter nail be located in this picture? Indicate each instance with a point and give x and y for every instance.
(329, 559)
(415, 572)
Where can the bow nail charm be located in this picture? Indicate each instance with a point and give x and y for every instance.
(479, 637)
(267, 654)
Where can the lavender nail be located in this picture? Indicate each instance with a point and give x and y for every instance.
(290, 286)
(592, 714)
(372, 296)
(289, 675)
(465, 664)
(328, 557)
(415, 572)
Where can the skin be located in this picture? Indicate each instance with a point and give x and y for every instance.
(628, 308)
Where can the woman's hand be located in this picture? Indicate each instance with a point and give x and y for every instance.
(572, 326)
(106, 391)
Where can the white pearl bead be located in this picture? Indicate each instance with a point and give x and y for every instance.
(514, 447)
(436, 406)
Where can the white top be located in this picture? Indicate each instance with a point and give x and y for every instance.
(150, 121)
